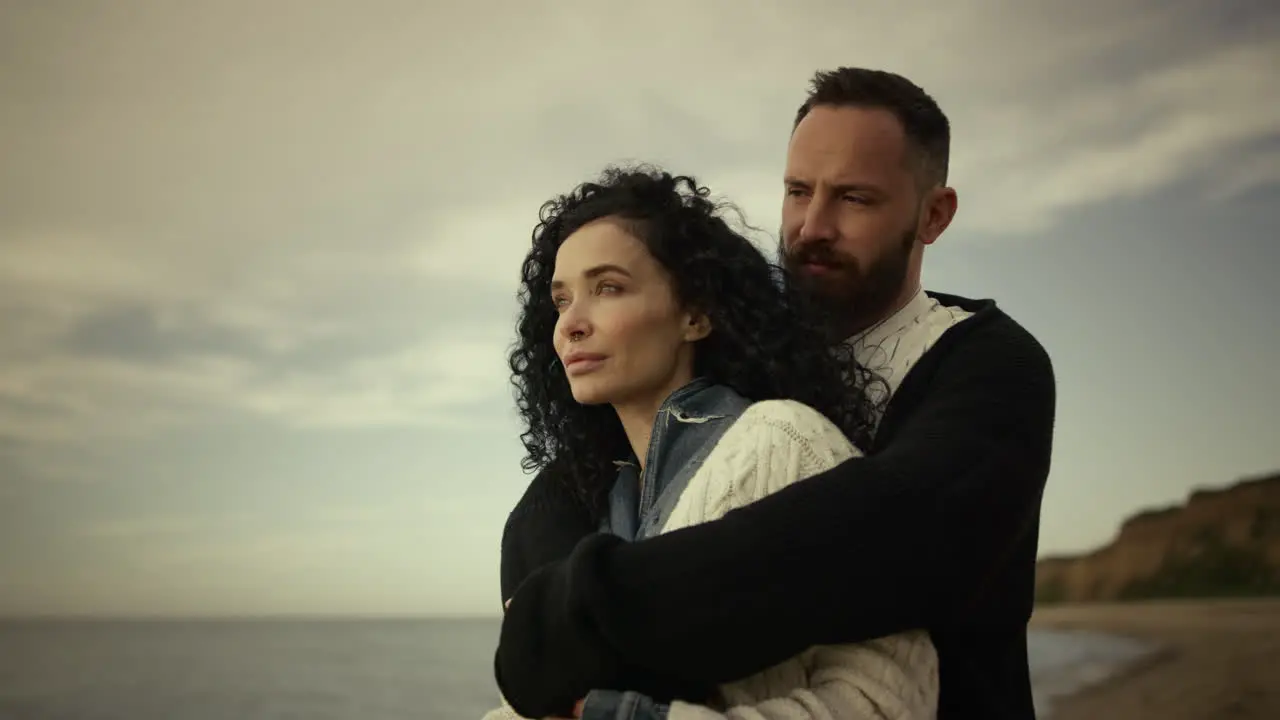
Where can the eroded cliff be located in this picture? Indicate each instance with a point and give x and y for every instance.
(1219, 543)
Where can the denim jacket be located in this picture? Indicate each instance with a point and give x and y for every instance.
(688, 425)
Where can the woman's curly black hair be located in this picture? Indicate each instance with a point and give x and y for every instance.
(766, 341)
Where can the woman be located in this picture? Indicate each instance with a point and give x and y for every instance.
(665, 363)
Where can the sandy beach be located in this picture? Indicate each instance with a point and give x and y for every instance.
(1217, 659)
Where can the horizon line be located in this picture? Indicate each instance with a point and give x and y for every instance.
(244, 617)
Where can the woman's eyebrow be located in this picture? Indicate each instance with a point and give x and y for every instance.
(596, 271)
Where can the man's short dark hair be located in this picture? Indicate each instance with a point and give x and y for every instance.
(927, 129)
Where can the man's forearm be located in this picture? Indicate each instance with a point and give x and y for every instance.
(559, 622)
(737, 600)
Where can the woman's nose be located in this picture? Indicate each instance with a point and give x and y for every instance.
(574, 324)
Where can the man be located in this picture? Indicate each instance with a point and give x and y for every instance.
(937, 527)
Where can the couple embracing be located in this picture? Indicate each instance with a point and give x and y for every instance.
(803, 492)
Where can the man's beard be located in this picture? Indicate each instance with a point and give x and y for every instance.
(850, 297)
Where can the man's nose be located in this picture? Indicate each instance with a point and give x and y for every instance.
(819, 224)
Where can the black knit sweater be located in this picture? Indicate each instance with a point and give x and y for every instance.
(937, 528)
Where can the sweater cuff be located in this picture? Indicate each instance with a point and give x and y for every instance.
(614, 705)
(550, 653)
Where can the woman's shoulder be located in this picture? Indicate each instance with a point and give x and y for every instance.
(786, 413)
(778, 423)
(771, 445)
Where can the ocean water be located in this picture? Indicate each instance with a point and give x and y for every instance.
(1064, 661)
(323, 669)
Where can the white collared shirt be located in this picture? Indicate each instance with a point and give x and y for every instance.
(891, 347)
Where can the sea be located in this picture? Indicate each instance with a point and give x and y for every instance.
(332, 669)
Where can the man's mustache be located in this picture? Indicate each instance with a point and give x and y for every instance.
(819, 254)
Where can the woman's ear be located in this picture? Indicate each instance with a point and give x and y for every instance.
(697, 327)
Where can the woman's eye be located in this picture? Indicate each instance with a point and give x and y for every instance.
(608, 288)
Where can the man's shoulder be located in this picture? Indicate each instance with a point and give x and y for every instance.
(991, 336)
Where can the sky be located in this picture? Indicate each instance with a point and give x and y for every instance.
(258, 260)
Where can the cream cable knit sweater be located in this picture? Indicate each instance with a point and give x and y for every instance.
(773, 444)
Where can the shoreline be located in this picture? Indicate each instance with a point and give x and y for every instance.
(1206, 659)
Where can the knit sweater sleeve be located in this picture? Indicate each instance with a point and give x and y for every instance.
(773, 445)
(925, 522)
(545, 525)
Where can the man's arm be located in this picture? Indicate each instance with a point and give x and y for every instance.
(921, 526)
(545, 525)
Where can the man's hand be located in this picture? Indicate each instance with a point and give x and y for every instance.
(577, 707)
(549, 652)
(551, 649)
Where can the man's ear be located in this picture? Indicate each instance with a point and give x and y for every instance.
(697, 327)
(937, 213)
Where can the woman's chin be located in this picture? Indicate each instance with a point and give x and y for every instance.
(584, 394)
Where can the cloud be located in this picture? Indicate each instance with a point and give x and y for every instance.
(1255, 168)
(77, 399)
(426, 384)
(313, 222)
(159, 528)
(200, 214)
(80, 400)
(1132, 136)
(478, 250)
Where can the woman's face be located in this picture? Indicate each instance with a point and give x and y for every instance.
(622, 336)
